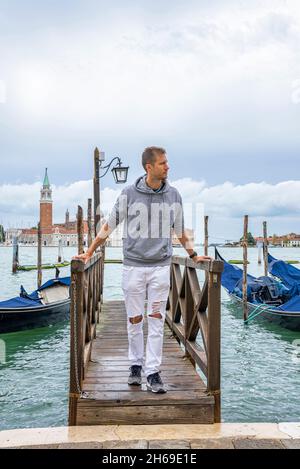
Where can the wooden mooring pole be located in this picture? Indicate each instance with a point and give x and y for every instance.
(259, 245)
(59, 257)
(245, 267)
(96, 191)
(15, 262)
(39, 257)
(80, 230)
(265, 248)
(206, 235)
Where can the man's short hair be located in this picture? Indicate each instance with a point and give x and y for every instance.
(149, 155)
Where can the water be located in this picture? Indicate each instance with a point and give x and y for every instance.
(260, 376)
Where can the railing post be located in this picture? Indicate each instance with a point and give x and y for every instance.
(76, 342)
(189, 312)
(85, 304)
(90, 235)
(99, 299)
(214, 341)
(173, 299)
(102, 272)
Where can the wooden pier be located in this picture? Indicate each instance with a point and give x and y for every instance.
(99, 366)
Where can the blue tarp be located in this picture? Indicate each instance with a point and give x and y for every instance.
(30, 300)
(292, 305)
(63, 281)
(287, 273)
(255, 287)
(33, 296)
(231, 275)
(19, 302)
(231, 279)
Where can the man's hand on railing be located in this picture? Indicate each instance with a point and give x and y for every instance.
(83, 257)
(98, 241)
(198, 259)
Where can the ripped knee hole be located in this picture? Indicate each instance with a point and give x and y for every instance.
(156, 306)
(136, 319)
(155, 315)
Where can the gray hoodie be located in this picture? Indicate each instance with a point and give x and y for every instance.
(148, 217)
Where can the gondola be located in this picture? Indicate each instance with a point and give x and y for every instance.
(266, 296)
(45, 306)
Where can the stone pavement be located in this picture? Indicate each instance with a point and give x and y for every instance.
(221, 443)
(217, 436)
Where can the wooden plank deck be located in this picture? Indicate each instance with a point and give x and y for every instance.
(112, 401)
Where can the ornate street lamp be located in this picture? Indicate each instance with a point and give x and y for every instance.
(119, 172)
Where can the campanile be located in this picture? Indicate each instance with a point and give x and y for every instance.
(46, 203)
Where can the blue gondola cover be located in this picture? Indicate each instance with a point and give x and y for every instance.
(287, 273)
(288, 289)
(26, 300)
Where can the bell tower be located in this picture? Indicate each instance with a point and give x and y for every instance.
(46, 203)
(67, 219)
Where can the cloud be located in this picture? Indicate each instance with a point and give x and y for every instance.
(215, 81)
(253, 199)
(155, 73)
(226, 204)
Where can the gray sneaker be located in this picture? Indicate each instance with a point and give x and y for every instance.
(155, 384)
(135, 377)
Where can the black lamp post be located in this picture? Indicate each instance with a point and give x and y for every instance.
(119, 172)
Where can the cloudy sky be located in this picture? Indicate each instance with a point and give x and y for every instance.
(217, 83)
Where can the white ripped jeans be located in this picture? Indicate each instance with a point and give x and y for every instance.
(138, 282)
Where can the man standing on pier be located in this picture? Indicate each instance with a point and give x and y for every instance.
(150, 208)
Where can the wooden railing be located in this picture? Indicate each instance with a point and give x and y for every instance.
(191, 310)
(86, 299)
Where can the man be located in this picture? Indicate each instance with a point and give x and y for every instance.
(149, 208)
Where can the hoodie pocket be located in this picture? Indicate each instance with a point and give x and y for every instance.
(155, 249)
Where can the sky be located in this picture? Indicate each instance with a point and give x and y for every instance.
(217, 83)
